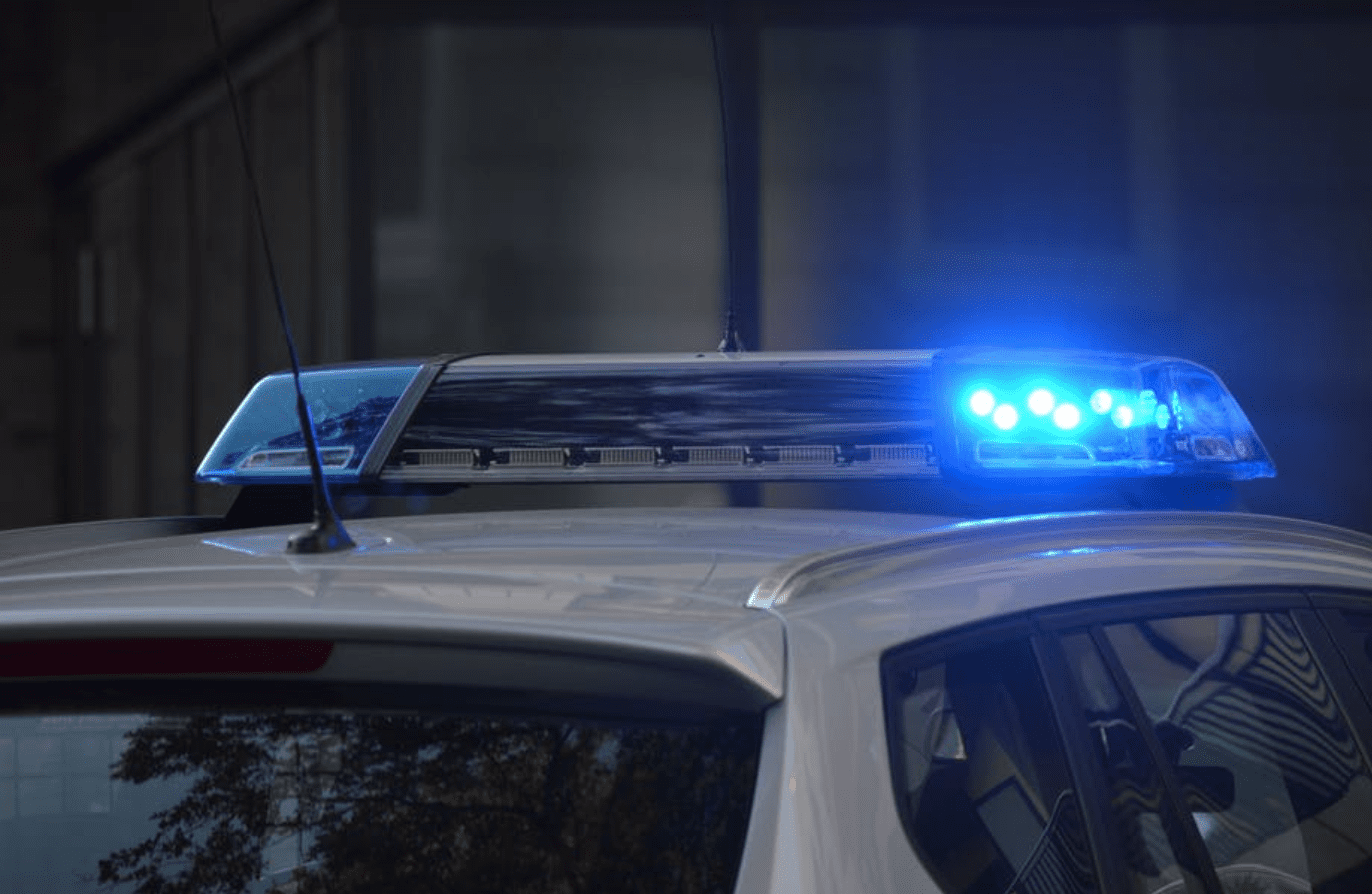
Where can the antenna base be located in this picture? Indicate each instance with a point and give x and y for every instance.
(324, 536)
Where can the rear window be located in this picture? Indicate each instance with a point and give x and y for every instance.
(336, 799)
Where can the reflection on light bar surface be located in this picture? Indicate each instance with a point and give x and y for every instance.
(697, 417)
(672, 418)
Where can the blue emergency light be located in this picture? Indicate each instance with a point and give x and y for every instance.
(979, 413)
(1080, 413)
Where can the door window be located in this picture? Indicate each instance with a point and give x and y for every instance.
(981, 779)
(1267, 768)
(1214, 748)
(1149, 835)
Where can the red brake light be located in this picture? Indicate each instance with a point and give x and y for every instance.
(113, 657)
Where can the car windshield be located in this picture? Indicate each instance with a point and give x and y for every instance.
(338, 800)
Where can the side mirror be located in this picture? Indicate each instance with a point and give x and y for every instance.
(1207, 789)
(1174, 740)
(1210, 789)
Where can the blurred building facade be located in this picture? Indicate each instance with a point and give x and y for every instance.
(438, 180)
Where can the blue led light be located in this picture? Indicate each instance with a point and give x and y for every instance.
(1066, 417)
(982, 402)
(1048, 410)
(1041, 401)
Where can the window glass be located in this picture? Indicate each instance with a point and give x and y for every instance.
(982, 782)
(344, 801)
(1241, 695)
(1144, 828)
(1352, 631)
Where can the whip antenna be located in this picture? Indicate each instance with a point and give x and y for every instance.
(327, 534)
(730, 343)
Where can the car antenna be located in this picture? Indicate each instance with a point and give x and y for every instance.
(730, 343)
(327, 534)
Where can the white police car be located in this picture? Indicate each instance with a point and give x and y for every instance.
(753, 700)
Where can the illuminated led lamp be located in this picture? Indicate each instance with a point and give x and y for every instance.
(1066, 417)
(1005, 417)
(157, 657)
(1204, 433)
(1041, 401)
(982, 402)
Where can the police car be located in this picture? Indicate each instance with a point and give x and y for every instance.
(1152, 699)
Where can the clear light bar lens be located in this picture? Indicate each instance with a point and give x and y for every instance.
(1082, 413)
(262, 442)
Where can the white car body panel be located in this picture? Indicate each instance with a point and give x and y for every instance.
(638, 584)
(829, 593)
(838, 829)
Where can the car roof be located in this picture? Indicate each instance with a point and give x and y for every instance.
(870, 598)
(657, 566)
(711, 556)
(1191, 544)
(645, 584)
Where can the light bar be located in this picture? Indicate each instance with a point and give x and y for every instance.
(1016, 413)
(692, 417)
(350, 405)
(715, 417)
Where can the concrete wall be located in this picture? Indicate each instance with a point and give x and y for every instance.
(111, 58)
(28, 408)
(78, 80)
(545, 190)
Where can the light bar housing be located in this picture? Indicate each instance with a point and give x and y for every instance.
(351, 407)
(763, 416)
(1078, 413)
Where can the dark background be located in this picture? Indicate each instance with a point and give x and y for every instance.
(1182, 179)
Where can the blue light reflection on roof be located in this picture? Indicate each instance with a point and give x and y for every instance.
(273, 546)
